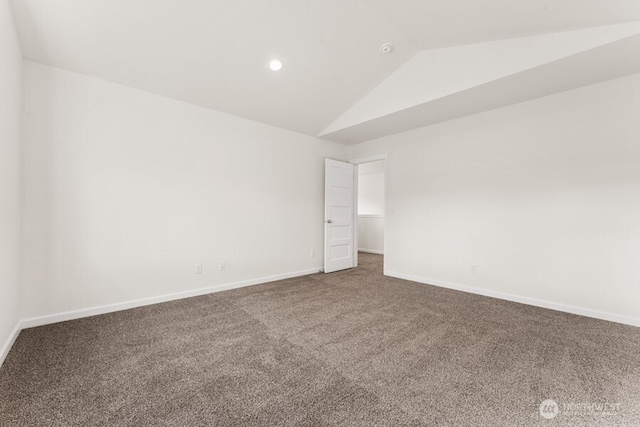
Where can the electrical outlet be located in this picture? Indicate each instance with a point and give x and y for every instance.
(198, 268)
(223, 266)
(312, 253)
(474, 268)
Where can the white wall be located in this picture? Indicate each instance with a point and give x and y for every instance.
(542, 197)
(371, 188)
(10, 100)
(127, 191)
(371, 183)
(371, 234)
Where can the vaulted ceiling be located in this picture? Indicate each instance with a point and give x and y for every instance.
(450, 57)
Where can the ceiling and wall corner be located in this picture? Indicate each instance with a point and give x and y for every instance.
(417, 93)
(216, 54)
(450, 58)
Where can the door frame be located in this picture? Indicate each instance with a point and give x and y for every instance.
(359, 161)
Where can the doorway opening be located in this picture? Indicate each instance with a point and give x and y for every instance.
(355, 212)
(371, 206)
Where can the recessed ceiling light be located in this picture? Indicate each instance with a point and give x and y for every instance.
(275, 65)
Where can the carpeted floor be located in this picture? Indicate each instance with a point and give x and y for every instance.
(351, 348)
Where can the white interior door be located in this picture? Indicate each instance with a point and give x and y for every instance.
(339, 216)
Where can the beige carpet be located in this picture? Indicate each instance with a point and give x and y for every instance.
(351, 348)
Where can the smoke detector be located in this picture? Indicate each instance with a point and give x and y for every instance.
(386, 48)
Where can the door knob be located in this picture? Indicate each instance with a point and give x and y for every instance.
(329, 221)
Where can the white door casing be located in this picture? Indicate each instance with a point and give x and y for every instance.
(339, 216)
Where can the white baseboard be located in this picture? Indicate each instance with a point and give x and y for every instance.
(109, 308)
(612, 317)
(4, 351)
(76, 314)
(371, 251)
